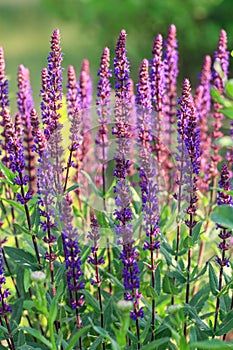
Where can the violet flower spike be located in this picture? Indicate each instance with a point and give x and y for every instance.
(5, 308)
(72, 91)
(223, 198)
(123, 214)
(221, 58)
(52, 102)
(157, 77)
(171, 73)
(147, 172)
(202, 100)
(4, 104)
(73, 262)
(103, 112)
(25, 104)
(96, 261)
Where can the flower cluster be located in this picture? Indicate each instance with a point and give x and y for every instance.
(93, 259)
(223, 198)
(103, 107)
(25, 105)
(147, 171)
(71, 248)
(4, 292)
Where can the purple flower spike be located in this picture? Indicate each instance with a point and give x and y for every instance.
(123, 213)
(157, 76)
(223, 197)
(103, 112)
(93, 259)
(72, 91)
(221, 59)
(51, 92)
(4, 104)
(25, 104)
(4, 293)
(202, 102)
(160, 124)
(187, 157)
(121, 68)
(171, 73)
(103, 108)
(73, 262)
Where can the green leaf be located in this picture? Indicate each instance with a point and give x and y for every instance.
(36, 334)
(150, 292)
(218, 98)
(76, 337)
(157, 280)
(7, 173)
(191, 311)
(96, 343)
(109, 190)
(72, 188)
(20, 257)
(227, 111)
(154, 344)
(214, 344)
(223, 215)
(229, 88)
(225, 141)
(14, 204)
(16, 313)
(91, 301)
(113, 278)
(168, 286)
(188, 242)
(93, 186)
(227, 324)
(196, 232)
(213, 281)
(21, 229)
(35, 218)
(53, 309)
(218, 69)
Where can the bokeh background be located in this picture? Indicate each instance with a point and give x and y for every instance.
(88, 25)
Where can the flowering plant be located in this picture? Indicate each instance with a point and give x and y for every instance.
(119, 235)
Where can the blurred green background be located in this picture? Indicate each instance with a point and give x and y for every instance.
(88, 25)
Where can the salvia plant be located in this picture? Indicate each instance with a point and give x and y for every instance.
(116, 204)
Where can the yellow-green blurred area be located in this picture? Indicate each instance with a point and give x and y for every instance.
(88, 25)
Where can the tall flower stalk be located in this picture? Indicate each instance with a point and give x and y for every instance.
(74, 113)
(171, 74)
(123, 213)
(5, 308)
(147, 173)
(93, 259)
(157, 77)
(73, 262)
(4, 109)
(221, 62)
(103, 112)
(202, 101)
(17, 165)
(191, 140)
(25, 104)
(223, 198)
(101, 141)
(50, 176)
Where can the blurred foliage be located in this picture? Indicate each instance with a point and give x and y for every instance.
(198, 24)
(89, 25)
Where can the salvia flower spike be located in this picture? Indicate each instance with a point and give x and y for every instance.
(147, 172)
(223, 198)
(123, 213)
